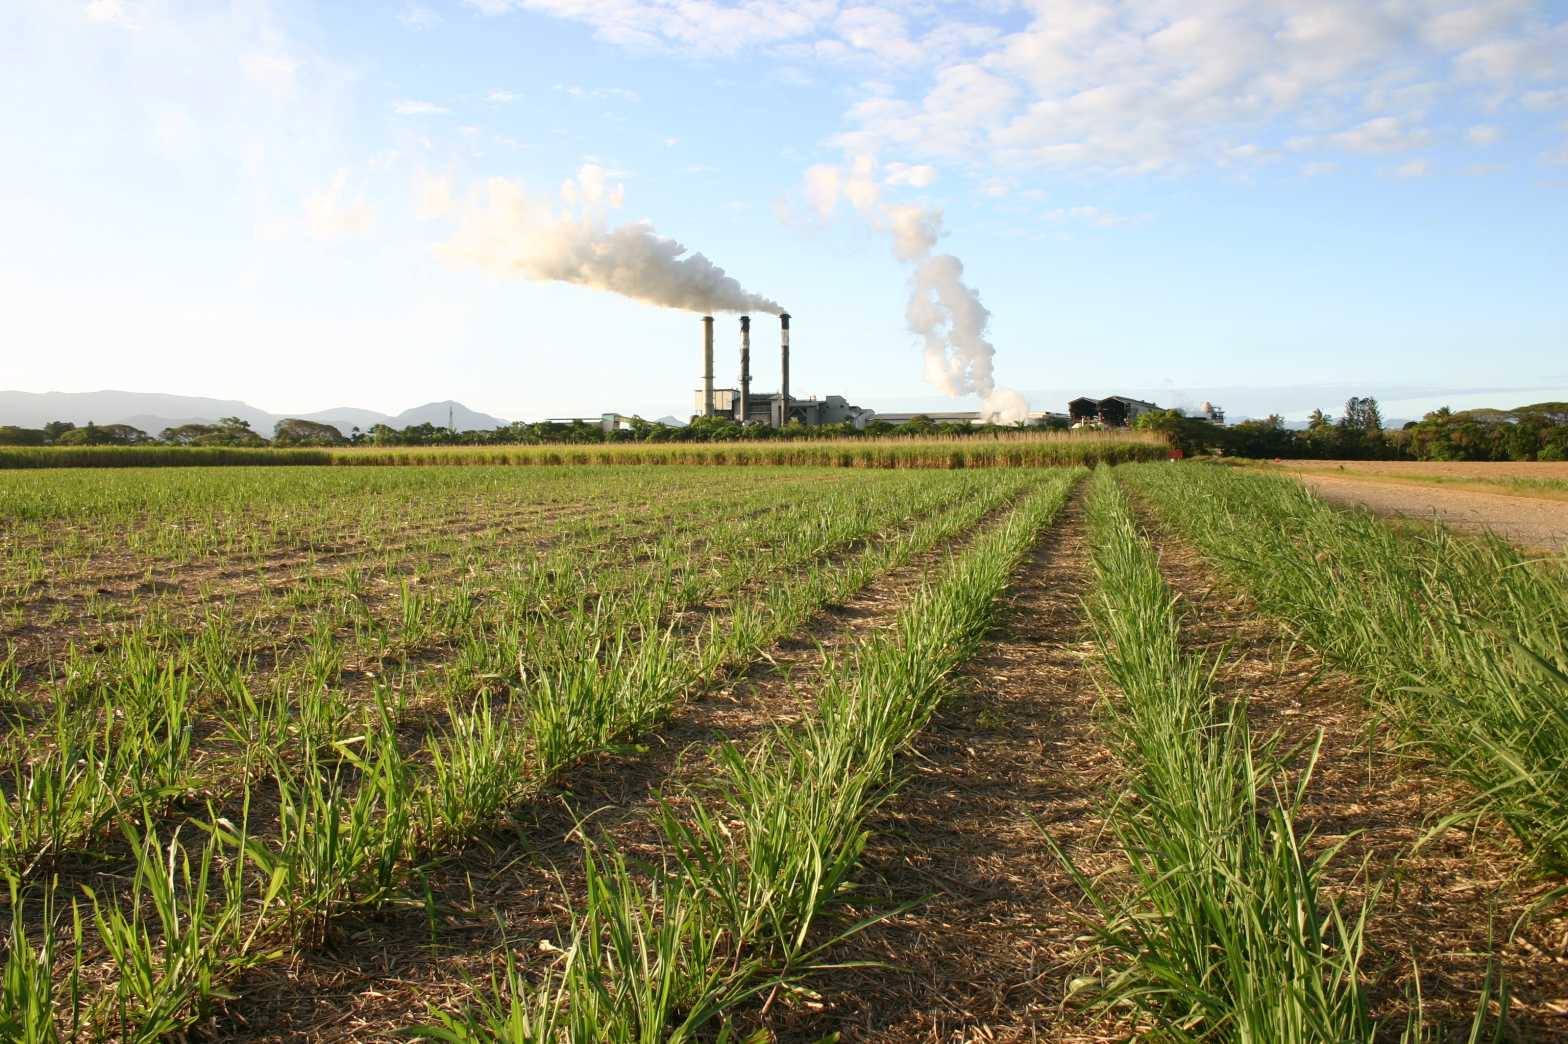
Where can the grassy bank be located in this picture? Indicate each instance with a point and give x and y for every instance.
(1025, 449)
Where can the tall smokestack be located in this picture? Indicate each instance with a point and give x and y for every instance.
(784, 359)
(707, 366)
(745, 367)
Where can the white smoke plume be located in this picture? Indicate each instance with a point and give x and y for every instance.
(507, 231)
(943, 310)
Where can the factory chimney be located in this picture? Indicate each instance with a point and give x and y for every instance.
(784, 359)
(745, 368)
(707, 366)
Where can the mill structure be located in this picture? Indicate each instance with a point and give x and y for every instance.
(766, 409)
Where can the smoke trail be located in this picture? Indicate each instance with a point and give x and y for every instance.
(512, 233)
(944, 311)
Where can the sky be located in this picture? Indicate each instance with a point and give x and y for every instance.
(373, 204)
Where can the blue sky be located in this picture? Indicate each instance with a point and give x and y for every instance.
(276, 201)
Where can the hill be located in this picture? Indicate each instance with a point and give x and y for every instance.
(153, 411)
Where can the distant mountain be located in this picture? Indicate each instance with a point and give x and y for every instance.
(152, 412)
(35, 409)
(463, 418)
(671, 422)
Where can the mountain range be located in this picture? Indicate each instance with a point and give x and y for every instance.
(152, 412)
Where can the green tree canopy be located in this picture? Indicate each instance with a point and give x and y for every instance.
(291, 431)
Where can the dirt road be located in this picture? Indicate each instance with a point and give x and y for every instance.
(1525, 521)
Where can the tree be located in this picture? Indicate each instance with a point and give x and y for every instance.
(230, 431)
(1362, 414)
(291, 431)
(1188, 434)
(11, 435)
(103, 435)
(54, 429)
(1318, 419)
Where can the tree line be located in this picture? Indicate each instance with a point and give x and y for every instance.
(236, 432)
(1538, 432)
(229, 431)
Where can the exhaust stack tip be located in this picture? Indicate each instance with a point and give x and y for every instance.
(745, 322)
(784, 319)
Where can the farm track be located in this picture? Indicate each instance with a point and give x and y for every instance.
(1445, 907)
(1524, 520)
(379, 976)
(987, 949)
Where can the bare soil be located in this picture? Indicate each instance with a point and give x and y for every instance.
(1526, 521)
(1442, 910)
(1445, 469)
(991, 938)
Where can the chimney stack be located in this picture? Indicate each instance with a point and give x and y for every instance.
(784, 359)
(707, 366)
(745, 367)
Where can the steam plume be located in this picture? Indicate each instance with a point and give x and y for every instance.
(944, 311)
(509, 232)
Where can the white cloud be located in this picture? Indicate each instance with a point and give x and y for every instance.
(1382, 134)
(824, 188)
(417, 108)
(1125, 86)
(1531, 54)
(1544, 101)
(1318, 169)
(1416, 168)
(418, 16)
(617, 93)
(108, 11)
(879, 31)
(913, 176)
(432, 195)
(1247, 155)
(1484, 134)
(502, 97)
(1099, 217)
(329, 216)
(273, 71)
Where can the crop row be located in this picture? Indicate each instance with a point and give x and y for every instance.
(267, 600)
(1463, 642)
(757, 859)
(59, 519)
(128, 723)
(357, 816)
(1219, 927)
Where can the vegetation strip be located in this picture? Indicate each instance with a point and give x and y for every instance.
(1002, 449)
(1220, 929)
(1464, 642)
(989, 918)
(1445, 904)
(504, 888)
(753, 865)
(136, 727)
(351, 815)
